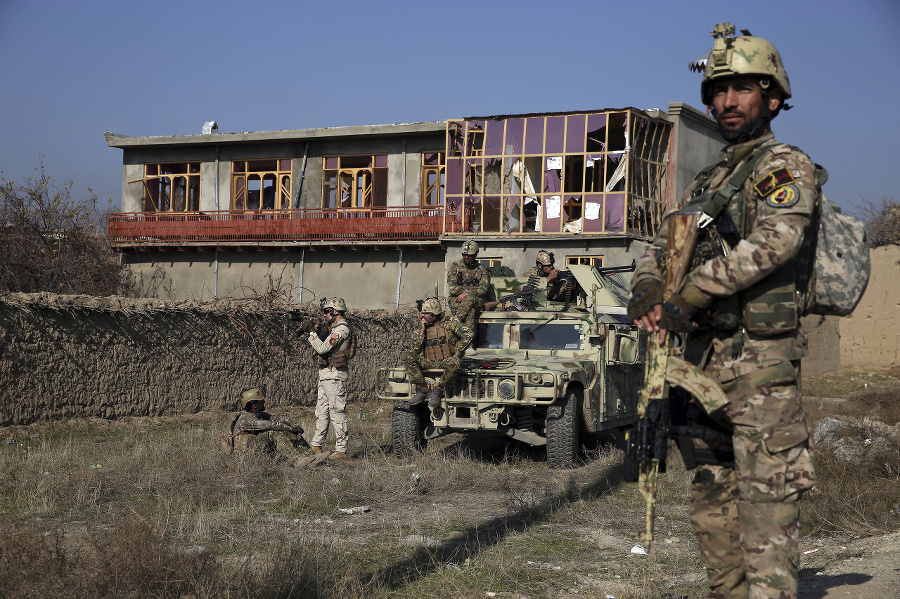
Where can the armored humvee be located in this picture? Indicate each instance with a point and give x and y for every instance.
(555, 374)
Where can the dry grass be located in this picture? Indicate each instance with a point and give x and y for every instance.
(150, 508)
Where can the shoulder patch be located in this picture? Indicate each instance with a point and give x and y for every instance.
(464, 329)
(784, 197)
(772, 181)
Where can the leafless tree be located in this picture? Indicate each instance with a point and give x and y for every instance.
(53, 241)
(882, 221)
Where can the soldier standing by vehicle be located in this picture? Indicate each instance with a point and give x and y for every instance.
(741, 308)
(544, 267)
(439, 344)
(255, 429)
(467, 282)
(332, 357)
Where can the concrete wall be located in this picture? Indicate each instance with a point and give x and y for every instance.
(870, 337)
(67, 356)
(365, 278)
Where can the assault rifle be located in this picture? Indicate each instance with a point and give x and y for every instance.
(522, 300)
(659, 418)
(311, 323)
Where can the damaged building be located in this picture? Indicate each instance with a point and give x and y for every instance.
(375, 214)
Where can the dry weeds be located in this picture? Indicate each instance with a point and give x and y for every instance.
(150, 508)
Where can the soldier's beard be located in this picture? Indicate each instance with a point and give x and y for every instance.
(751, 131)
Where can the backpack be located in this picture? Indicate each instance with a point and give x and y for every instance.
(840, 270)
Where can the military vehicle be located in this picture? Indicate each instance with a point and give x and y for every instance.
(556, 374)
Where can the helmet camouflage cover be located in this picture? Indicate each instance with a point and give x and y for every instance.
(743, 55)
(335, 303)
(470, 248)
(251, 395)
(544, 258)
(432, 306)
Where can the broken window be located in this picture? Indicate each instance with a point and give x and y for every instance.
(355, 181)
(576, 173)
(432, 178)
(171, 187)
(261, 184)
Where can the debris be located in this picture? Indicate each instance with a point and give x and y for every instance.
(810, 551)
(453, 567)
(543, 566)
(361, 509)
(638, 550)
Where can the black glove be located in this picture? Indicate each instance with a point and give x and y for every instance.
(646, 295)
(678, 315)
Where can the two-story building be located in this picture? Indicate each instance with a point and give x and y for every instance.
(375, 214)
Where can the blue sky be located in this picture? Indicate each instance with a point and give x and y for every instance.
(72, 70)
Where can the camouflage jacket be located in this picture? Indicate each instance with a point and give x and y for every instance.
(556, 290)
(459, 336)
(779, 198)
(251, 424)
(460, 278)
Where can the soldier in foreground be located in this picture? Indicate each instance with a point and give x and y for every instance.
(545, 268)
(467, 282)
(739, 305)
(439, 344)
(333, 354)
(255, 429)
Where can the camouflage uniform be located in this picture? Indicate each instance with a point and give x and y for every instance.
(746, 518)
(447, 335)
(259, 432)
(475, 282)
(556, 289)
(331, 403)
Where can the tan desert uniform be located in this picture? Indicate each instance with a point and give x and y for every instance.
(332, 389)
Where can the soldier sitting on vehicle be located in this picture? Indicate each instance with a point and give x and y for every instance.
(558, 286)
(439, 343)
(254, 429)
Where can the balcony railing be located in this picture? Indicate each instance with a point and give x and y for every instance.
(233, 227)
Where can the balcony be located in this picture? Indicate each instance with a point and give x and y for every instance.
(268, 227)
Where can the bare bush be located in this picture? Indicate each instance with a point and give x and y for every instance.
(54, 241)
(882, 221)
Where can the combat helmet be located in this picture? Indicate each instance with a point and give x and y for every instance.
(544, 258)
(251, 395)
(335, 303)
(432, 306)
(470, 248)
(743, 55)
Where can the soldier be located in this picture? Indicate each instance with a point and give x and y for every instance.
(439, 343)
(544, 267)
(468, 282)
(741, 309)
(255, 429)
(332, 357)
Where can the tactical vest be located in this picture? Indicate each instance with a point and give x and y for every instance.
(772, 306)
(437, 346)
(469, 278)
(340, 355)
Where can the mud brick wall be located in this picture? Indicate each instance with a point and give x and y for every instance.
(66, 356)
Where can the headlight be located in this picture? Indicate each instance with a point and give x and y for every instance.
(536, 379)
(506, 389)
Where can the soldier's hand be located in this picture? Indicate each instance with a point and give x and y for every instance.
(462, 296)
(677, 316)
(552, 274)
(645, 307)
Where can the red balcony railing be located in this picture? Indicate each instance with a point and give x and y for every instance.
(226, 226)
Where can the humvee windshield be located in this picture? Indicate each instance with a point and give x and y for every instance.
(490, 335)
(550, 336)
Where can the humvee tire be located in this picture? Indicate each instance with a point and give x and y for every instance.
(407, 431)
(563, 440)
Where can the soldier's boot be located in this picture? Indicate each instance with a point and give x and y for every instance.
(420, 395)
(436, 395)
(316, 449)
(338, 455)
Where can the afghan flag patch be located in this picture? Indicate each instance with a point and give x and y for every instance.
(777, 178)
(783, 197)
